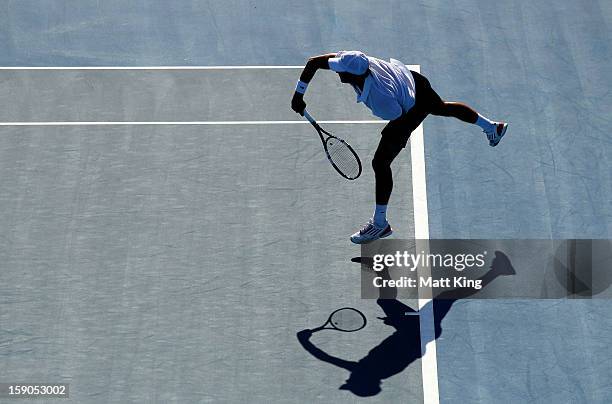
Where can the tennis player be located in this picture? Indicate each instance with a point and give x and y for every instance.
(394, 93)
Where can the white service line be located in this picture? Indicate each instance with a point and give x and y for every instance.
(429, 361)
(110, 123)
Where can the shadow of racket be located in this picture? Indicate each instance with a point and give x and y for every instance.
(346, 319)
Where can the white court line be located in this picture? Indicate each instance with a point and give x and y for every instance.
(146, 67)
(110, 123)
(413, 67)
(429, 361)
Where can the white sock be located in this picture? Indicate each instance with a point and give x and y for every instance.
(485, 123)
(380, 215)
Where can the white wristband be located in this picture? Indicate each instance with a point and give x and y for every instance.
(301, 87)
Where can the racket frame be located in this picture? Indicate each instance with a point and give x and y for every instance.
(322, 131)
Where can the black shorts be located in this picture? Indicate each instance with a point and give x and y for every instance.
(398, 130)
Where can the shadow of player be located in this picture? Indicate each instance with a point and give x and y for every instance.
(396, 352)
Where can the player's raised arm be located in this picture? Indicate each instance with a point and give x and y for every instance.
(314, 63)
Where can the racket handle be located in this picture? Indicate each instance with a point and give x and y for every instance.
(310, 118)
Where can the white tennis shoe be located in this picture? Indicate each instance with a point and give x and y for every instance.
(370, 232)
(495, 135)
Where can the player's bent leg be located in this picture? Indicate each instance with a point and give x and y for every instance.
(494, 130)
(457, 110)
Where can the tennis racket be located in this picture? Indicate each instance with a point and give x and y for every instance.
(345, 319)
(341, 156)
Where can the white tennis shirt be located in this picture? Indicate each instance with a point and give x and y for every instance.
(388, 90)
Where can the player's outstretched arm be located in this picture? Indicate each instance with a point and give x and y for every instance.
(314, 63)
(304, 339)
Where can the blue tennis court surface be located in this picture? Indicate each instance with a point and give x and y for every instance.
(166, 232)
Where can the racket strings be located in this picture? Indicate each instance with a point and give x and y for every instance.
(343, 157)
